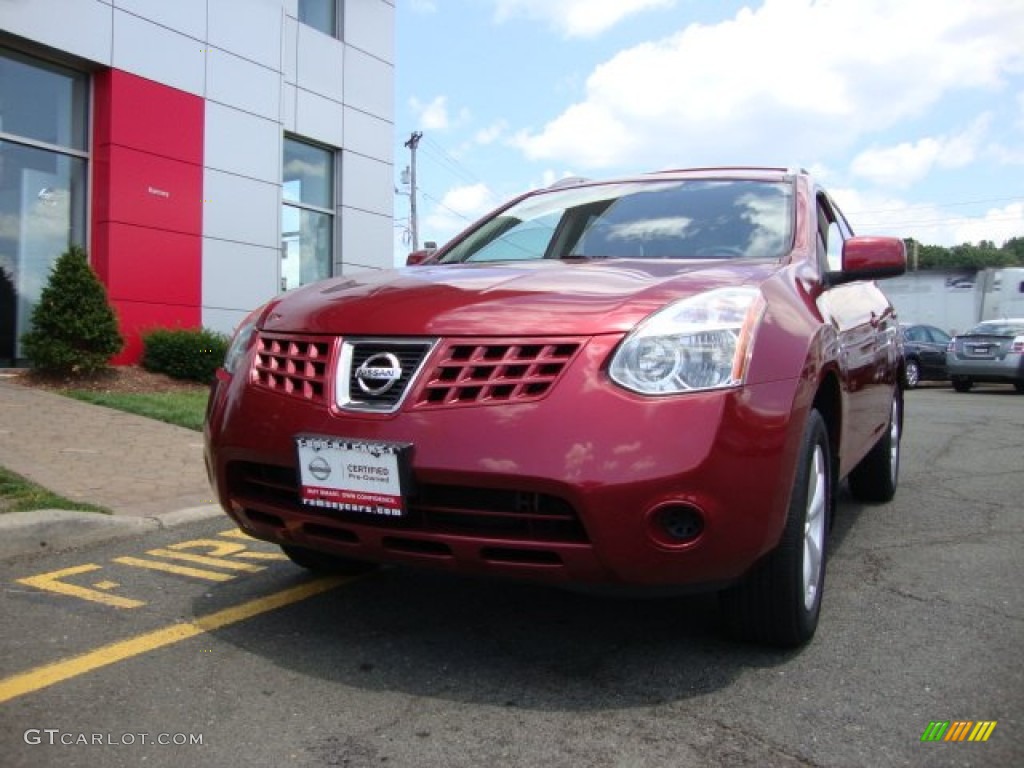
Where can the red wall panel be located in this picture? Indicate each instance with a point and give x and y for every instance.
(147, 203)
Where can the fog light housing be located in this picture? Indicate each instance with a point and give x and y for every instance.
(676, 524)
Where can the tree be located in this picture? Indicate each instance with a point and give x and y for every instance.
(74, 328)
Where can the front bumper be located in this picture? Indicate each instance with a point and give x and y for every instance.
(576, 487)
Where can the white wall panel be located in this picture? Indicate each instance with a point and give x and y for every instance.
(318, 118)
(370, 26)
(240, 83)
(223, 320)
(241, 143)
(249, 28)
(368, 135)
(369, 84)
(366, 242)
(288, 97)
(240, 209)
(239, 276)
(321, 62)
(290, 50)
(156, 53)
(185, 16)
(367, 184)
(82, 28)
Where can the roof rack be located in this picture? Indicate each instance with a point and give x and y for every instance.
(568, 181)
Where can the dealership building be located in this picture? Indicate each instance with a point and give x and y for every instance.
(208, 154)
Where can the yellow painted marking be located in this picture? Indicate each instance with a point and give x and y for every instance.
(215, 562)
(52, 583)
(181, 570)
(211, 547)
(237, 533)
(50, 674)
(106, 584)
(263, 555)
(958, 730)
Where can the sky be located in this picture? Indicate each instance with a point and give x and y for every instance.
(910, 112)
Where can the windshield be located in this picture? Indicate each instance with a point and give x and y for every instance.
(705, 219)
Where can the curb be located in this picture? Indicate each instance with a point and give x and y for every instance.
(56, 530)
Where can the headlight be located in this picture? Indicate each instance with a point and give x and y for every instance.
(703, 342)
(240, 342)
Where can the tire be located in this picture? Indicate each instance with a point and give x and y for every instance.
(1019, 386)
(779, 601)
(323, 563)
(912, 374)
(876, 477)
(962, 384)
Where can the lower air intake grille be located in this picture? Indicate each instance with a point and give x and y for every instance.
(459, 510)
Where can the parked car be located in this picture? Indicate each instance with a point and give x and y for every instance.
(992, 352)
(644, 382)
(924, 354)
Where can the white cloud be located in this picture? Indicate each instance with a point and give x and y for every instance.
(432, 116)
(906, 163)
(932, 224)
(491, 133)
(457, 209)
(423, 6)
(577, 18)
(786, 83)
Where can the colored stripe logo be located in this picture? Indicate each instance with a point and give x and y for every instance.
(959, 730)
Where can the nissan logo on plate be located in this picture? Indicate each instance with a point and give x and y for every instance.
(378, 373)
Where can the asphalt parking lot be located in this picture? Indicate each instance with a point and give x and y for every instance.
(214, 644)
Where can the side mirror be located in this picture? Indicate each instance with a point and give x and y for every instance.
(419, 257)
(870, 258)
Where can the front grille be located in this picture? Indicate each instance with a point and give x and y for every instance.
(460, 510)
(404, 356)
(293, 365)
(495, 371)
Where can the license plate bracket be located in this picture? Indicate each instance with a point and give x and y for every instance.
(372, 477)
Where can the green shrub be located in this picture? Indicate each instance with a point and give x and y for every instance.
(74, 328)
(184, 353)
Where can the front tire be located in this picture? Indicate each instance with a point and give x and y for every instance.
(912, 374)
(779, 601)
(962, 384)
(876, 477)
(323, 563)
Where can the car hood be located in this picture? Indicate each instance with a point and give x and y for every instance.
(531, 298)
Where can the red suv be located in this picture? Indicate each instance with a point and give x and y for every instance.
(650, 381)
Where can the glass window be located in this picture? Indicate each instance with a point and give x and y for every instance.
(43, 171)
(639, 220)
(320, 14)
(307, 214)
(42, 102)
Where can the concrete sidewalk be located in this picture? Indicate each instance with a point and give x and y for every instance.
(134, 466)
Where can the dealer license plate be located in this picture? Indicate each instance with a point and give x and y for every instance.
(353, 475)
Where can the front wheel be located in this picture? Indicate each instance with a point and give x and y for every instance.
(779, 601)
(876, 477)
(912, 374)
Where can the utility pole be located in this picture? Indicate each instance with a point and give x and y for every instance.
(412, 143)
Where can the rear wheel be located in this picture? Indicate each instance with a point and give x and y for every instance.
(321, 562)
(779, 601)
(1019, 386)
(912, 374)
(877, 475)
(962, 384)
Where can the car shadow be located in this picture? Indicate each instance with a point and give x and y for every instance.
(502, 644)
